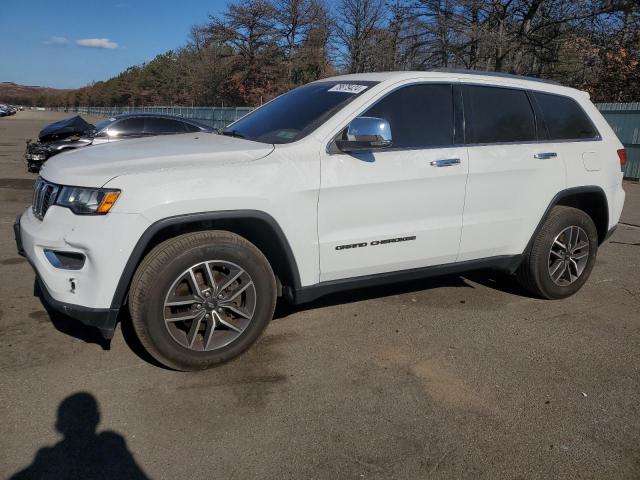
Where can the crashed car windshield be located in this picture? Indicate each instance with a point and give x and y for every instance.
(297, 113)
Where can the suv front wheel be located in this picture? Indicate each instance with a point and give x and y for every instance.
(562, 255)
(201, 298)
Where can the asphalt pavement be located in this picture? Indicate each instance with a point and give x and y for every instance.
(454, 377)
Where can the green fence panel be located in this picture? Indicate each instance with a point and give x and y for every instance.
(624, 119)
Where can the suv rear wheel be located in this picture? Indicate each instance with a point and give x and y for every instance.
(201, 298)
(562, 255)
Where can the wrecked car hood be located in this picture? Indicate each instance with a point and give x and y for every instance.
(65, 128)
(95, 166)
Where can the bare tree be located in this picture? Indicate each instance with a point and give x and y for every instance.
(257, 49)
(355, 26)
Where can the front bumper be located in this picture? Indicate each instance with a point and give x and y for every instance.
(85, 294)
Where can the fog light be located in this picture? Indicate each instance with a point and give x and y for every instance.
(65, 260)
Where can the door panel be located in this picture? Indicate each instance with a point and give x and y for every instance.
(399, 208)
(508, 191)
(512, 174)
(393, 196)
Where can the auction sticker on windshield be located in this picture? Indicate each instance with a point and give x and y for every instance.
(348, 88)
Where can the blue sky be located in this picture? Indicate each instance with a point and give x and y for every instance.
(69, 43)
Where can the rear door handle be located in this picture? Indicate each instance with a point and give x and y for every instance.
(545, 155)
(447, 162)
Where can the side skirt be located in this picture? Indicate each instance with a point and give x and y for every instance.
(505, 263)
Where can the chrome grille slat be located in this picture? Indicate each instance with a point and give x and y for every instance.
(44, 196)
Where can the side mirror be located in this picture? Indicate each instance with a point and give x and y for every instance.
(366, 133)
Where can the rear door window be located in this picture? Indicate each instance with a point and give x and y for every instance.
(564, 118)
(498, 115)
(420, 116)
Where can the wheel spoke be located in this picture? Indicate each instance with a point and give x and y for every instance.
(239, 291)
(227, 323)
(556, 254)
(236, 309)
(575, 267)
(182, 316)
(571, 275)
(565, 267)
(209, 329)
(210, 278)
(229, 279)
(560, 244)
(193, 283)
(579, 246)
(193, 331)
(569, 237)
(179, 303)
(553, 269)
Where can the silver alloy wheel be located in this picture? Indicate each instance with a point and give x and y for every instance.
(209, 305)
(568, 256)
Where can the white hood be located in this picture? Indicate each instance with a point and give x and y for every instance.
(94, 166)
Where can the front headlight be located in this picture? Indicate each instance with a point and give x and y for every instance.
(87, 201)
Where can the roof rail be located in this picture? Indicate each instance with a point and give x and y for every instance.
(492, 74)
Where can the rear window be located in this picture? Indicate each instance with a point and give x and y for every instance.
(156, 126)
(498, 115)
(564, 118)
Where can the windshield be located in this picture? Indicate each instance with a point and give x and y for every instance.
(104, 124)
(297, 113)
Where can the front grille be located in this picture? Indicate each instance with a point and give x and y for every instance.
(44, 196)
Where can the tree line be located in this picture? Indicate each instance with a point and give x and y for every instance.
(257, 49)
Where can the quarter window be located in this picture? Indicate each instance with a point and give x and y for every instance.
(498, 115)
(564, 118)
(419, 115)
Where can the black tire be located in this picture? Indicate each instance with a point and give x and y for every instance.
(534, 272)
(164, 264)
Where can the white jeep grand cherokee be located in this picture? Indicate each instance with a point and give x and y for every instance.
(346, 182)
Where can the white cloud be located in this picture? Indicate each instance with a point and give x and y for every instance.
(58, 41)
(96, 43)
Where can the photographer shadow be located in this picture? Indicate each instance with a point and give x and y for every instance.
(83, 453)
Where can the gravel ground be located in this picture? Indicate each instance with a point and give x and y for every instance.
(456, 377)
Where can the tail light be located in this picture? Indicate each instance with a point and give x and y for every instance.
(622, 155)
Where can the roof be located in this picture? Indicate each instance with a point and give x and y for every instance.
(494, 74)
(162, 115)
(436, 73)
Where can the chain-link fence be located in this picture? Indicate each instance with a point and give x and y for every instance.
(216, 117)
(623, 117)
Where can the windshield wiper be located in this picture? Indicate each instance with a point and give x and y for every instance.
(233, 133)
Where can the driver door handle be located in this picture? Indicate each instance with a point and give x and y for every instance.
(447, 162)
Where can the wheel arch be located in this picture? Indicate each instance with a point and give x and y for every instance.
(258, 227)
(590, 199)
